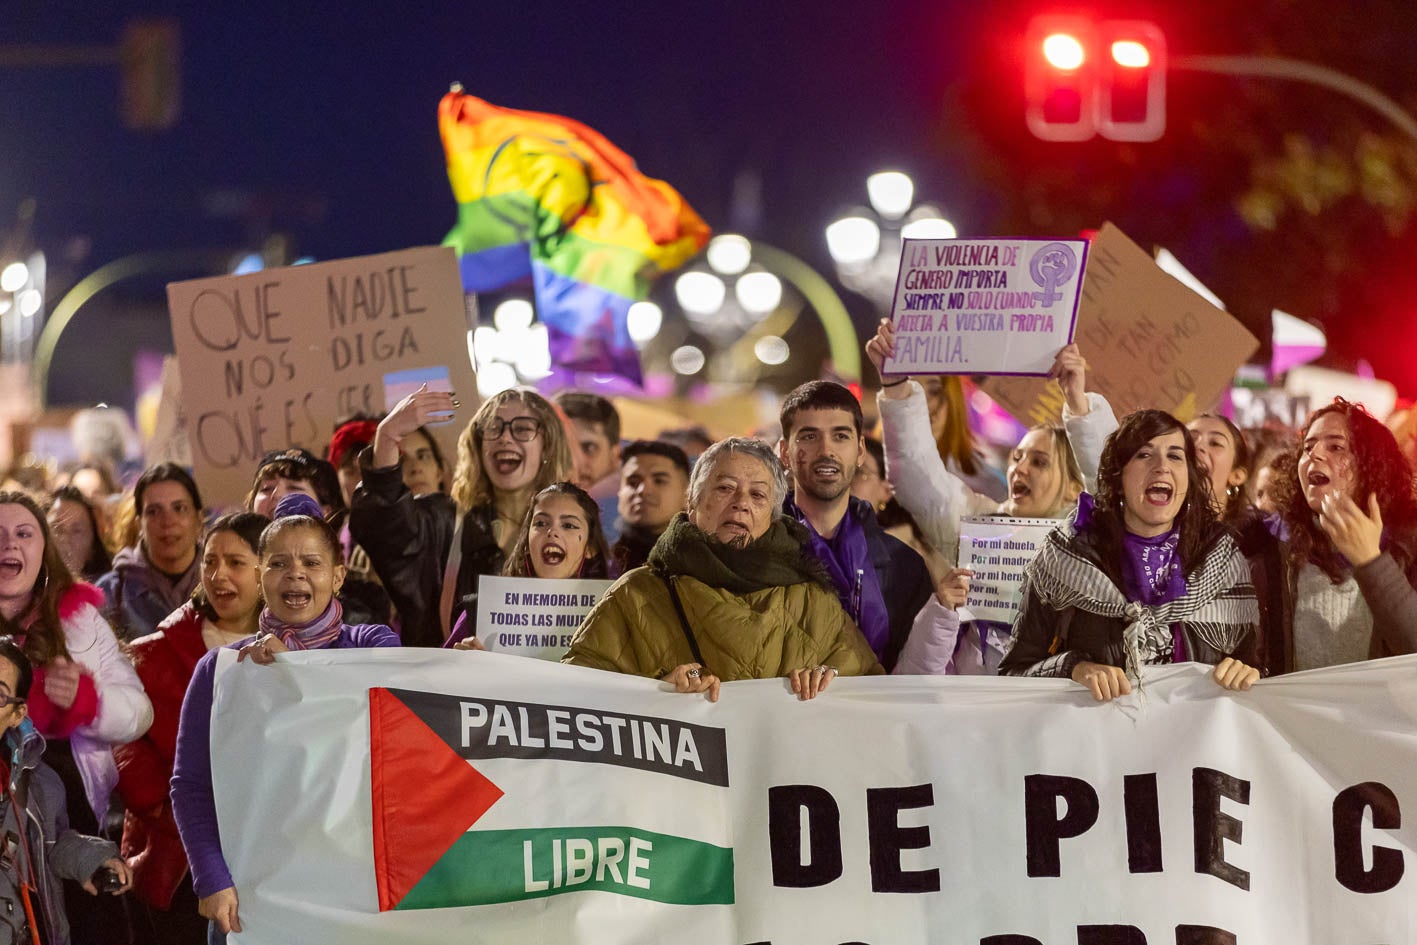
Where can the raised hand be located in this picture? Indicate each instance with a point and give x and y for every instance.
(878, 349)
(1357, 537)
(1070, 370)
(419, 408)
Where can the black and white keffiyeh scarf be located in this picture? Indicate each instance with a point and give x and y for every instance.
(1218, 605)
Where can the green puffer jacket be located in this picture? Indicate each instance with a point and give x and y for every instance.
(756, 635)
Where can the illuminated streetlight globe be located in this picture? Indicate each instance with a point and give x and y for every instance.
(14, 277)
(853, 240)
(533, 356)
(891, 193)
(494, 378)
(758, 292)
(771, 349)
(700, 293)
(513, 315)
(687, 360)
(729, 254)
(643, 321)
(29, 302)
(481, 342)
(929, 228)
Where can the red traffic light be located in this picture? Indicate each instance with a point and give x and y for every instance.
(1131, 91)
(1084, 78)
(1061, 78)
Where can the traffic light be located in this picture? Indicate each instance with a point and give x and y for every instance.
(1061, 78)
(1084, 78)
(1131, 95)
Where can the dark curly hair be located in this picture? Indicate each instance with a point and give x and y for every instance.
(1382, 470)
(1196, 518)
(597, 552)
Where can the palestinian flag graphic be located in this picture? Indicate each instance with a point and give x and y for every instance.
(479, 801)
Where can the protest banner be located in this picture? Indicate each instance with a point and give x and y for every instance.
(529, 616)
(375, 796)
(169, 443)
(1149, 341)
(273, 359)
(996, 548)
(971, 306)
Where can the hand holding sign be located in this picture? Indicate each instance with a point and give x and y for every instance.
(954, 587)
(878, 349)
(1070, 369)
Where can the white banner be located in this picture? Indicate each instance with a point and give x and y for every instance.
(376, 796)
(984, 306)
(996, 548)
(533, 617)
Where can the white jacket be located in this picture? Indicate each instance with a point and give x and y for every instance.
(124, 712)
(936, 497)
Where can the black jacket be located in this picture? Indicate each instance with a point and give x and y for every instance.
(904, 579)
(1049, 642)
(408, 539)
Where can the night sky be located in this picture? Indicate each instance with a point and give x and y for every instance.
(324, 127)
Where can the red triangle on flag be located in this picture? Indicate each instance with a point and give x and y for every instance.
(425, 796)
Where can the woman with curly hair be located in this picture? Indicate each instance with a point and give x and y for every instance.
(429, 550)
(1348, 503)
(1146, 574)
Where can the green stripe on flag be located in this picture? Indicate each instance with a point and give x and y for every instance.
(491, 866)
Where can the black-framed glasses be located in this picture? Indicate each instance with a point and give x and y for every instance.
(7, 700)
(524, 429)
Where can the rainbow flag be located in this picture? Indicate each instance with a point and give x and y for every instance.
(546, 198)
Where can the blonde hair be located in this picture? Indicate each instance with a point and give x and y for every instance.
(471, 486)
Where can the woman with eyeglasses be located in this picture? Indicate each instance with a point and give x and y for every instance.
(429, 550)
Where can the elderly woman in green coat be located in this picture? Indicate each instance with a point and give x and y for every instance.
(731, 591)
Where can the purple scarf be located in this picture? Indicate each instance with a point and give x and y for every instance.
(1152, 574)
(315, 635)
(847, 557)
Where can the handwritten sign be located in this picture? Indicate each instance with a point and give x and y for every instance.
(273, 359)
(996, 549)
(169, 443)
(533, 617)
(984, 306)
(1149, 341)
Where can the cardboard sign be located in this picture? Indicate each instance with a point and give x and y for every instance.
(1149, 341)
(533, 617)
(169, 443)
(996, 549)
(273, 359)
(984, 306)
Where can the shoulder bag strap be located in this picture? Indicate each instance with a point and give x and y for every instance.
(683, 619)
(450, 578)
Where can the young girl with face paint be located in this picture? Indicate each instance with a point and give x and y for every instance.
(300, 574)
(561, 538)
(1044, 479)
(1352, 563)
(1143, 575)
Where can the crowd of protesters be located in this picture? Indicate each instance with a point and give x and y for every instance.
(816, 552)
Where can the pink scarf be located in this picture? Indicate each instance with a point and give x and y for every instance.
(315, 635)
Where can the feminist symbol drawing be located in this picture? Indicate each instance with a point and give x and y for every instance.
(1050, 267)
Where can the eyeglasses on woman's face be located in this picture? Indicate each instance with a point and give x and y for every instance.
(524, 429)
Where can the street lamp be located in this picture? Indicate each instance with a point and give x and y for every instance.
(865, 242)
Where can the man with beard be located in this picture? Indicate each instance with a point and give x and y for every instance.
(654, 485)
(727, 592)
(881, 582)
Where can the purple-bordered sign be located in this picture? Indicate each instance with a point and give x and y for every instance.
(985, 306)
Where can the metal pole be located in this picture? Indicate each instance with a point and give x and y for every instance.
(842, 342)
(1274, 67)
(100, 279)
